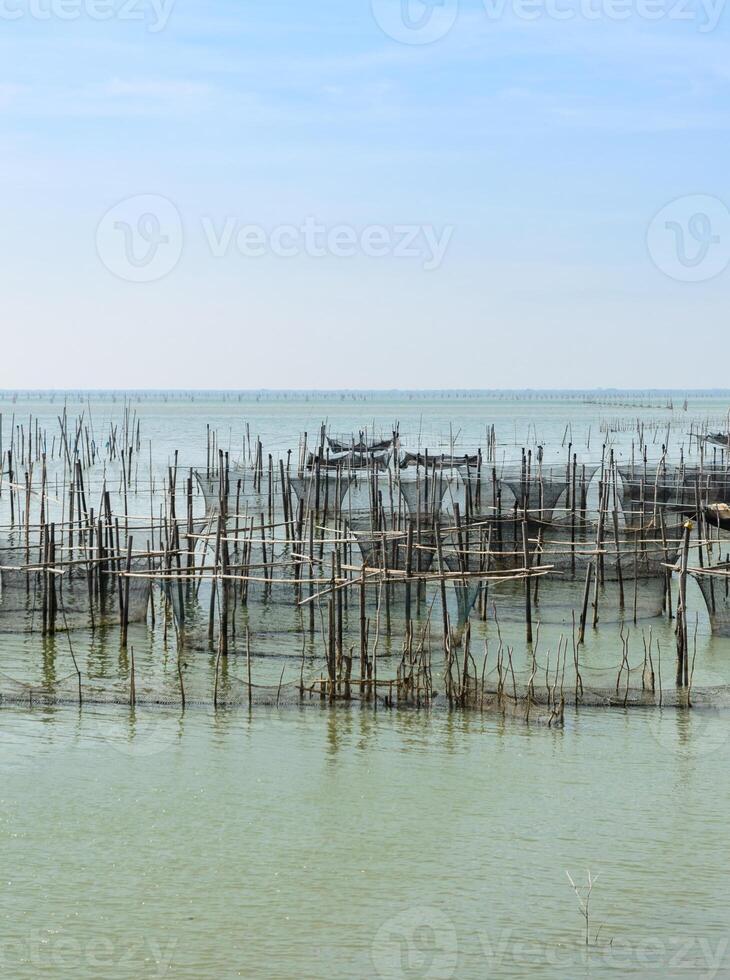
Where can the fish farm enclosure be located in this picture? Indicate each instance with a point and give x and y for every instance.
(245, 551)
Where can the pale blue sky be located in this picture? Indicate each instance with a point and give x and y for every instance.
(545, 146)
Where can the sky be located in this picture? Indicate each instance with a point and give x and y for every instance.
(364, 193)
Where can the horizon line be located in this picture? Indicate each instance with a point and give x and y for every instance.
(369, 391)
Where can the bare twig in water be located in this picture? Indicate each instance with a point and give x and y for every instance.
(583, 894)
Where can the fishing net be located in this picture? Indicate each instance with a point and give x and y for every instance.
(715, 589)
(424, 496)
(69, 596)
(328, 488)
(465, 589)
(484, 496)
(538, 496)
(389, 550)
(237, 488)
(677, 487)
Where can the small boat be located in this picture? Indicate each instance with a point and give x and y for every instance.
(350, 460)
(359, 447)
(439, 460)
(718, 439)
(718, 515)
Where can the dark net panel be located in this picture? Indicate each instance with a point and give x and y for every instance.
(715, 590)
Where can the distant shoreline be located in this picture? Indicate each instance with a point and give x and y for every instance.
(283, 394)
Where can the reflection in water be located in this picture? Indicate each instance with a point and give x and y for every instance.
(48, 655)
(227, 833)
